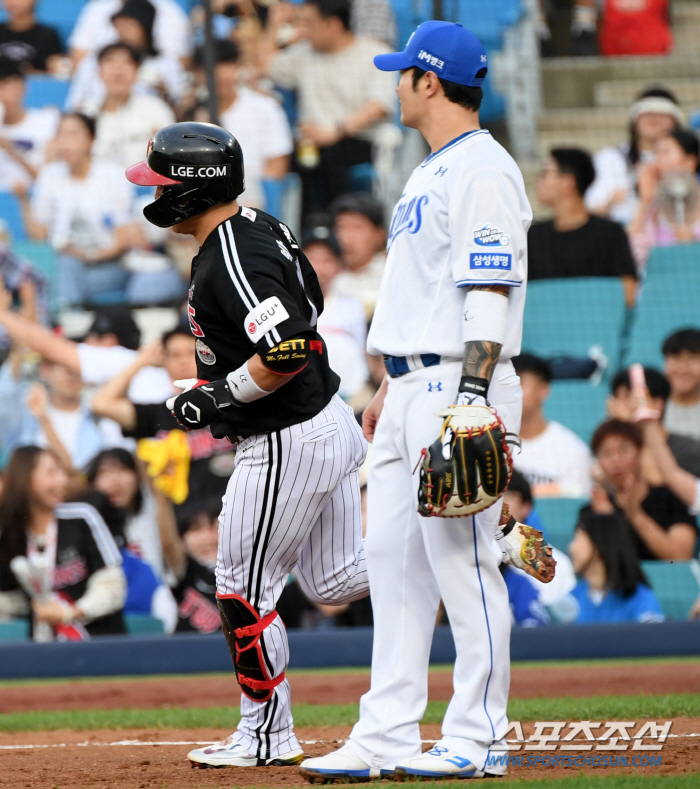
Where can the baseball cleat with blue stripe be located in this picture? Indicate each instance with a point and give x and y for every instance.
(341, 766)
(440, 762)
(228, 753)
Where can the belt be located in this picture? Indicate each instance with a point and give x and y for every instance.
(396, 366)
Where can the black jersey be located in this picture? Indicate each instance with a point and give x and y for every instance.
(252, 288)
(196, 600)
(84, 545)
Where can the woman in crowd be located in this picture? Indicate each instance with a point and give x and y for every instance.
(660, 525)
(70, 540)
(84, 207)
(669, 196)
(613, 193)
(114, 472)
(613, 587)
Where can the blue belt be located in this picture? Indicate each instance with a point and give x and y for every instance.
(397, 366)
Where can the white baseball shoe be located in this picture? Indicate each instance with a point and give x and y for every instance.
(232, 754)
(440, 762)
(342, 766)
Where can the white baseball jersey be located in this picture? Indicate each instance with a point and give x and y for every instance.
(462, 220)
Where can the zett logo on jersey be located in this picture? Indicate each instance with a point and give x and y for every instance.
(490, 236)
(265, 317)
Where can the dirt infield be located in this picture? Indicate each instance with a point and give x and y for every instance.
(131, 759)
(526, 683)
(156, 758)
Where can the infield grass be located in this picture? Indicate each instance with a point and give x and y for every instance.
(569, 708)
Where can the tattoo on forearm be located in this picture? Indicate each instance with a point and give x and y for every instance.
(480, 359)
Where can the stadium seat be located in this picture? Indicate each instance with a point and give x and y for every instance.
(559, 517)
(675, 585)
(14, 630)
(669, 301)
(61, 14)
(566, 317)
(578, 405)
(143, 625)
(42, 256)
(11, 213)
(43, 90)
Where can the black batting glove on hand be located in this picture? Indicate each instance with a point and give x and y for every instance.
(201, 403)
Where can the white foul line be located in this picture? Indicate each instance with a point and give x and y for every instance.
(130, 743)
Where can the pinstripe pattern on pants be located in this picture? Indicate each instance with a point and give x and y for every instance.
(293, 501)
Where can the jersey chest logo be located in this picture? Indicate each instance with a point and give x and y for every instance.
(408, 217)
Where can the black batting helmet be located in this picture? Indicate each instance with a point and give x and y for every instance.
(198, 165)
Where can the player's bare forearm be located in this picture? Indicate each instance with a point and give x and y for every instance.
(480, 359)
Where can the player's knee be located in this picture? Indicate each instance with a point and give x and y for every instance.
(244, 627)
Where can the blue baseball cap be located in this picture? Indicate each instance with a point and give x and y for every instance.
(446, 48)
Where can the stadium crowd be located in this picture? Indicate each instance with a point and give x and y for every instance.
(99, 482)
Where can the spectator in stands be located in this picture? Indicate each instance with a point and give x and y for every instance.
(342, 323)
(681, 352)
(24, 133)
(126, 120)
(521, 505)
(48, 413)
(109, 346)
(209, 460)
(26, 285)
(23, 39)
(669, 196)
(553, 459)
(146, 593)
(89, 588)
(526, 609)
(84, 207)
(661, 526)
(257, 121)
(114, 473)
(623, 405)
(613, 587)
(359, 226)
(158, 74)
(613, 193)
(584, 33)
(574, 243)
(190, 552)
(343, 99)
(676, 475)
(374, 19)
(94, 29)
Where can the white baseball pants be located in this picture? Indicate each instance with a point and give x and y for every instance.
(413, 562)
(292, 503)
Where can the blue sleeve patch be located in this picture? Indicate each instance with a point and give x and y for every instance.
(491, 261)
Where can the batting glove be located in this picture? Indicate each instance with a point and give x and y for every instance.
(201, 402)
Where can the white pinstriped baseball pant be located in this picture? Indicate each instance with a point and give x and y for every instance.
(292, 503)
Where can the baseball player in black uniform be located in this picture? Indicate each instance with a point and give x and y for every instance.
(293, 500)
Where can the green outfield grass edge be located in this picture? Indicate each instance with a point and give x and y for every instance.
(592, 708)
(362, 670)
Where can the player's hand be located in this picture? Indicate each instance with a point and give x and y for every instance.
(464, 398)
(371, 415)
(201, 402)
(38, 401)
(151, 355)
(50, 611)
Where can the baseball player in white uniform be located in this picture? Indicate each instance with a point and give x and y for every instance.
(448, 320)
